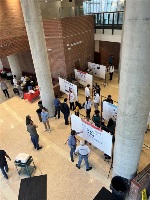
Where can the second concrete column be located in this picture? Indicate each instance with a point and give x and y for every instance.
(35, 32)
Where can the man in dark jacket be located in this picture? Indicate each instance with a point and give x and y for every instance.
(66, 111)
(3, 163)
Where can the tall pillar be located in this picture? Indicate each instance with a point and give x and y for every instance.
(14, 65)
(35, 32)
(134, 89)
(1, 65)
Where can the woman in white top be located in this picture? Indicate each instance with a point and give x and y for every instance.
(111, 70)
(71, 98)
(87, 107)
(96, 100)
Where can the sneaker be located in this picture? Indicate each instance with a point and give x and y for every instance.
(6, 177)
(45, 130)
(54, 117)
(39, 148)
(89, 169)
(49, 130)
(72, 160)
(77, 166)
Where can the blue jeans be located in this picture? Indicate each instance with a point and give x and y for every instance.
(35, 141)
(72, 150)
(85, 159)
(57, 110)
(4, 169)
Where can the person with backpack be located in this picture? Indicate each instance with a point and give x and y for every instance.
(65, 110)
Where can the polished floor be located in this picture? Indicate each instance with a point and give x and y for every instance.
(65, 181)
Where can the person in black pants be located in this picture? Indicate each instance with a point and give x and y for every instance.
(57, 107)
(4, 88)
(3, 163)
(66, 111)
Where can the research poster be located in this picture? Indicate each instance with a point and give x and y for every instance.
(84, 78)
(94, 135)
(65, 86)
(98, 70)
(109, 111)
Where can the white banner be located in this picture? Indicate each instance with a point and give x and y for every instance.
(98, 70)
(84, 78)
(65, 86)
(109, 111)
(94, 135)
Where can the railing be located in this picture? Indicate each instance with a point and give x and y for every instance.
(109, 20)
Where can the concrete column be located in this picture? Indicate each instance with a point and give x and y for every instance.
(1, 65)
(14, 65)
(134, 89)
(36, 37)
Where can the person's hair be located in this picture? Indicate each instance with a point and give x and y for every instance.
(43, 108)
(56, 96)
(28, 120)
(82, 142)
(88, 85)
(14, 76)
(109, 96)
(73, 132)
(110, 122)
(65, 99)
(97, 112)
(77, 103)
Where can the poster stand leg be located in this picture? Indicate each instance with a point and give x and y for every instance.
(145, 146)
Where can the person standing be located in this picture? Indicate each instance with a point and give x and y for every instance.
(96, 100)
(87, 92)
(111, 71)
(31, 128)
(111, 60)
(3, 163)
(87, 107)
(45, 116)
(72, 143)
(96, 118)
(109, 99)
(57, 107)
(71, 98)
(4, 88)
(15, 81)
(84, 152)
(66, 111)
(77, 108)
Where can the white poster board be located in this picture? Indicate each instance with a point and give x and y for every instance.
(65, 86)
(94, 135)
(109, 111)
(98, 70)
(84, 78)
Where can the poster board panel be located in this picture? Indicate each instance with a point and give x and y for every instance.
(65, 86)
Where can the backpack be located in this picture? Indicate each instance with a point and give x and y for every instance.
(62, 108)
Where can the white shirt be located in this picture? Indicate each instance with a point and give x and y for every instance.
(88, 105)
(96, 98)
(111, 69)
(23, 79)
(87, 92)
(82, 150)
(14, 81)
(71, 97)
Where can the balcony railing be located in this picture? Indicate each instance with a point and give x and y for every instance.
(109, 20)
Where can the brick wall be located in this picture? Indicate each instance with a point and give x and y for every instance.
(109, 48)
(141, 181)
(76, 30)
(13, 36)
(76, 33)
